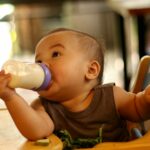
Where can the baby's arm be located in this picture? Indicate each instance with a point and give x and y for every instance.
(134, 107)
(33, 122)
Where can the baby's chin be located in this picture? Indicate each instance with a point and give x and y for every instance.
(50, 96)
(45, 94)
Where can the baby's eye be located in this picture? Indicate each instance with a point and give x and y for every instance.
(56, 54)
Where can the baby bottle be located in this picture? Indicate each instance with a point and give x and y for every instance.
(34, 76)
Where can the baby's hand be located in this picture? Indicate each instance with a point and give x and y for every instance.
(5, 90)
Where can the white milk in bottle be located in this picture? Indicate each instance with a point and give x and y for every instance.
(34, 76)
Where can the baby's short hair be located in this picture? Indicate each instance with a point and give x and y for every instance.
(92, 47)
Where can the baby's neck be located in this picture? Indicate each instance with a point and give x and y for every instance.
(79, 103)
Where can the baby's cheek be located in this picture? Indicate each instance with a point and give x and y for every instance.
(59, 77)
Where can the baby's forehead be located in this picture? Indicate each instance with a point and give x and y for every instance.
(60, 36)
(64, 37)
(69, 37)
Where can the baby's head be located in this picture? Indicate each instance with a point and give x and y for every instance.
(90, 46)
(75, 60)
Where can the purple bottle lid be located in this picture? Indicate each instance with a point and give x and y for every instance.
(47, 78)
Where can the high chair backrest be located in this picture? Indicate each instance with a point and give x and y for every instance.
(141, 80)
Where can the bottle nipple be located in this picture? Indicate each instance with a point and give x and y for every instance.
(47, 78)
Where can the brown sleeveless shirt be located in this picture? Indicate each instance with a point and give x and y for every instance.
(101, 113)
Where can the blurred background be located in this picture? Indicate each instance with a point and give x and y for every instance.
(23, 23)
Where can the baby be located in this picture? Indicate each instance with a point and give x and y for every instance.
(75, 100)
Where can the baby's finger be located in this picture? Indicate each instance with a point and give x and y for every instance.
(5, 79)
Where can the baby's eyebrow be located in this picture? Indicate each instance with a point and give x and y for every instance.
(56, 45)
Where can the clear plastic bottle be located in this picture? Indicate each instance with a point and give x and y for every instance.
(34, 76)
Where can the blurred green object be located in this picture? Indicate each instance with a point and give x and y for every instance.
(69, 143)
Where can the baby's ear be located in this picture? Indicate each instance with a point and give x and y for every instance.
(93, 70)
